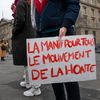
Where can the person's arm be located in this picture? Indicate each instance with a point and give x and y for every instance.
(72, 8)
(19, 18)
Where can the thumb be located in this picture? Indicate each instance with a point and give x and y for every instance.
(62, 32)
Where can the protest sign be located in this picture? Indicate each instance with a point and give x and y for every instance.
(51, 60)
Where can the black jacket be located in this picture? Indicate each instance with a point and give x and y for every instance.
(21, 31)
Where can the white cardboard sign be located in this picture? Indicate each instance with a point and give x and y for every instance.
(51, 60)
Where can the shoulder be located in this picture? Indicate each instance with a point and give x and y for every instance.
(22, 2)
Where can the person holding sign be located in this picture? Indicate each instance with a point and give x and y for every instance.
(56, 18)
(22, 29)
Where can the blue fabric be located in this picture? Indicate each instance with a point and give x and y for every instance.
(56, 14)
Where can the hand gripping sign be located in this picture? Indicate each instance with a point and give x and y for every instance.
(53, 61)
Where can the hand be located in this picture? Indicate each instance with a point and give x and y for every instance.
(62, 32)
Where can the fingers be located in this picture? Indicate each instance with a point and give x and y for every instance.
(62, 32)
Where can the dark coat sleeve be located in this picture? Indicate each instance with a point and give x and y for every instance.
(19, 18)
(72, 8)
